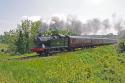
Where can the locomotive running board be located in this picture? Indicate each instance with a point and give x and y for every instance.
(55, 52)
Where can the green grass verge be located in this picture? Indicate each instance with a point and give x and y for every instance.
(98, 65)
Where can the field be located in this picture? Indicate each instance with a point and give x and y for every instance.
(97, 65)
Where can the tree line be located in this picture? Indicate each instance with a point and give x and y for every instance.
(21, 40)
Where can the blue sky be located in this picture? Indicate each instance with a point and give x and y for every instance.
(11, 11)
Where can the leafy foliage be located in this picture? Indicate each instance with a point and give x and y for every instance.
(121, 46)
(3, 48)
(10, 38)
(21, 39)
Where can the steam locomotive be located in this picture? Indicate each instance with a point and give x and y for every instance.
(58, 43)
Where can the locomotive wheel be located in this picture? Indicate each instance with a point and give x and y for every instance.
(71, 49)
(46, 52)
(41, 54)
(61, 49)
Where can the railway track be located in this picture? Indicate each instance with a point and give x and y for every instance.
(19, 58)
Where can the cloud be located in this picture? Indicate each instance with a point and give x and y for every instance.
(32, 18)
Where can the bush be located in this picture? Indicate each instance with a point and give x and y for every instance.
(3, 48)
(121, 46)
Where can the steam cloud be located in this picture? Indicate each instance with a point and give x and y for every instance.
(91, 27)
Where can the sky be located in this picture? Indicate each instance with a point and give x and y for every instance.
(12, 11)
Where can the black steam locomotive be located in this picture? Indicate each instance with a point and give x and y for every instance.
(58, 43)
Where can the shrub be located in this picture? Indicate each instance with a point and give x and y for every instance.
(121, 46)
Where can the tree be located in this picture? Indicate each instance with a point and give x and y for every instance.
(10, 38)
(27, 32)
(34, 31)
(121, 46)
(20, 43)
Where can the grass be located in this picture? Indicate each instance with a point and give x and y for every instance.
(98, 65)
